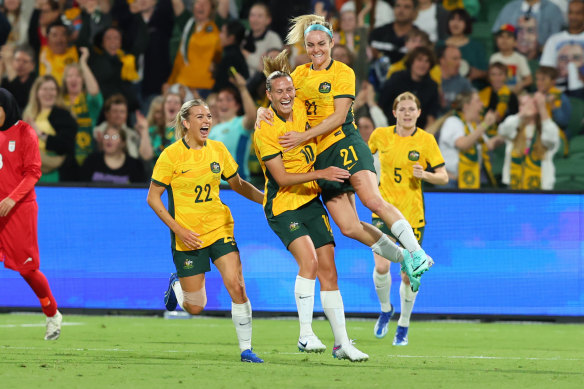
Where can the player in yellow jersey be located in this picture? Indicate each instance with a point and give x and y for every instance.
(408, 156)
(295, 213)
(328, 90)
(190, 170)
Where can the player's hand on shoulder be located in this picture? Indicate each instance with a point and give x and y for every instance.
(264, 115)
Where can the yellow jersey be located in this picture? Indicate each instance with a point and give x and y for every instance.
(397, 156)
(192, 179)
(298, 160)
(318, 89)
(58, 62)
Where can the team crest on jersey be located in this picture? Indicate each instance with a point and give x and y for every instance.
(294, 226)
(324, 87)
(413, 155)
(11, 145)
(188, 264)
(215, 167)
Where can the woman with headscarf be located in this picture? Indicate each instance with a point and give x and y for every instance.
(20, 169)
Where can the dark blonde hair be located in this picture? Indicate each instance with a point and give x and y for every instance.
(276, 67)
(183, 114)
(406, 96)
(33, 107)
(300, 23)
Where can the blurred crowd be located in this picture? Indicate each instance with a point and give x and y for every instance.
(101, 81)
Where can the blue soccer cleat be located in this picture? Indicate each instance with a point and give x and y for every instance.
(401, 336)
(170, 301)
(381, 327)
(250, 356)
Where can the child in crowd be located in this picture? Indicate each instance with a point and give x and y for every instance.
(518, 73)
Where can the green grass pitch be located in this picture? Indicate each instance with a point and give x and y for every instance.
(151, 352)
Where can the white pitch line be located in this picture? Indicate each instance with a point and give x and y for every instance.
(483, 357)
(26, 325)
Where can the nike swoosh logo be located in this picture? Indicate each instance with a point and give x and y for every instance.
(184, 171)
(303, 344)
(29, 259)
(303, 297)
(352, 166)
(246, 323)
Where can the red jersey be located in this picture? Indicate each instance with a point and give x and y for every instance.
(20, 162)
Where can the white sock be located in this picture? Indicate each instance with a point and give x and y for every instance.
(304, 295)
(403, 232)
(382, 284)
(332, 304)
(407, 299)
(387, 249)
(179, 294)
(241, 316)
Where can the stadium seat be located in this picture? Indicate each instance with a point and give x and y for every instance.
(577, 147)
(575, 124)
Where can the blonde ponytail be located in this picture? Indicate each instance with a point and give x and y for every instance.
(301, 23)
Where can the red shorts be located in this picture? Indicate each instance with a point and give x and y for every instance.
(19, 248)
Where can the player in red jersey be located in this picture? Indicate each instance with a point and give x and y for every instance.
(20, 169)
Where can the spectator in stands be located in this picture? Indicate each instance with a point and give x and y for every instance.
(532, 140)
(374, 13)
(160, 125)
(113, 165)
(82, 96)
(115, 111)
(535, 21)
(415, 79)
(283, 11)
(453, 83)
(433, 19)
(342, 54)
(18, 15)
(114, 70)
(473, 52)
(17, 72)
(416, 38)
(256, 86)
(55, 128)
(200, 48)
(389, 40)
(234, 131)
(461, 141)
(57, 54)
(365, 105)
(565, 51)
(518, 72)
(45, 12)
(87, 19)
(259, 38)
(231, 35)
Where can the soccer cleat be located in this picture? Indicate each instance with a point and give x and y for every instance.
(54, 327)
(170, 301)
(311, 344)
(419, 262)
(349, 352)
(401, 336)
(250, 356)
(406, 267)
(381, 327)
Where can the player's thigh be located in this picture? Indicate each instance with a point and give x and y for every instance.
(191, 263)
(304, 252)
(343, 212)
(18, 238)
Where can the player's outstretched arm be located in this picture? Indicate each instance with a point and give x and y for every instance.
(283, 178)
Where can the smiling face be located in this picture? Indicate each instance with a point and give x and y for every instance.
(198, 124)
(112, 41)
(406, 113)
(171, 106)
(73, 80)
(282, 96)
(227, 105)
(47, 94)
(318, 47)
(57, 39)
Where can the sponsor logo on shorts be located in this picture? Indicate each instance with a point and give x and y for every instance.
(11, 145)
(188, 264)
(215, 167)
(294, 226)
(413, 155)
(324, 87)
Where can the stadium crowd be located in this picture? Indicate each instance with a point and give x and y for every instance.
(101, 80)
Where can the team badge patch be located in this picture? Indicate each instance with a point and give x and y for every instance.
(413, 155)
(215, 167)
(324, 87)
(294, 226)
(188, 264)
(379, 224)
(11, 145)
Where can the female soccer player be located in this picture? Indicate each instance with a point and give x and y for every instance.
(295, 213)
(328, 89)
(20, 169)
(201, 225)
(408, 156)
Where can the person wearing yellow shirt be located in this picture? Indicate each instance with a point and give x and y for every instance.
(190, 170)
(295, 213)
(57, 54)
(328, 89)
(408, 157)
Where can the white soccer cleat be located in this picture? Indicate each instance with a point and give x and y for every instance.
(349, 352)
(54, 327)
(311, 344)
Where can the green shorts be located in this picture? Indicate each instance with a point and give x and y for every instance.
(191, 263)
(351, 153)
(418, 232)
(310, 219)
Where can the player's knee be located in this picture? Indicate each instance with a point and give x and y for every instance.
(375, 203)
(195, 302)
(27, 273)
(351, 230)
(383, 267)
(235, 288)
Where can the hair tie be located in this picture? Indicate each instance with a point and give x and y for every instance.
(319, 27)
